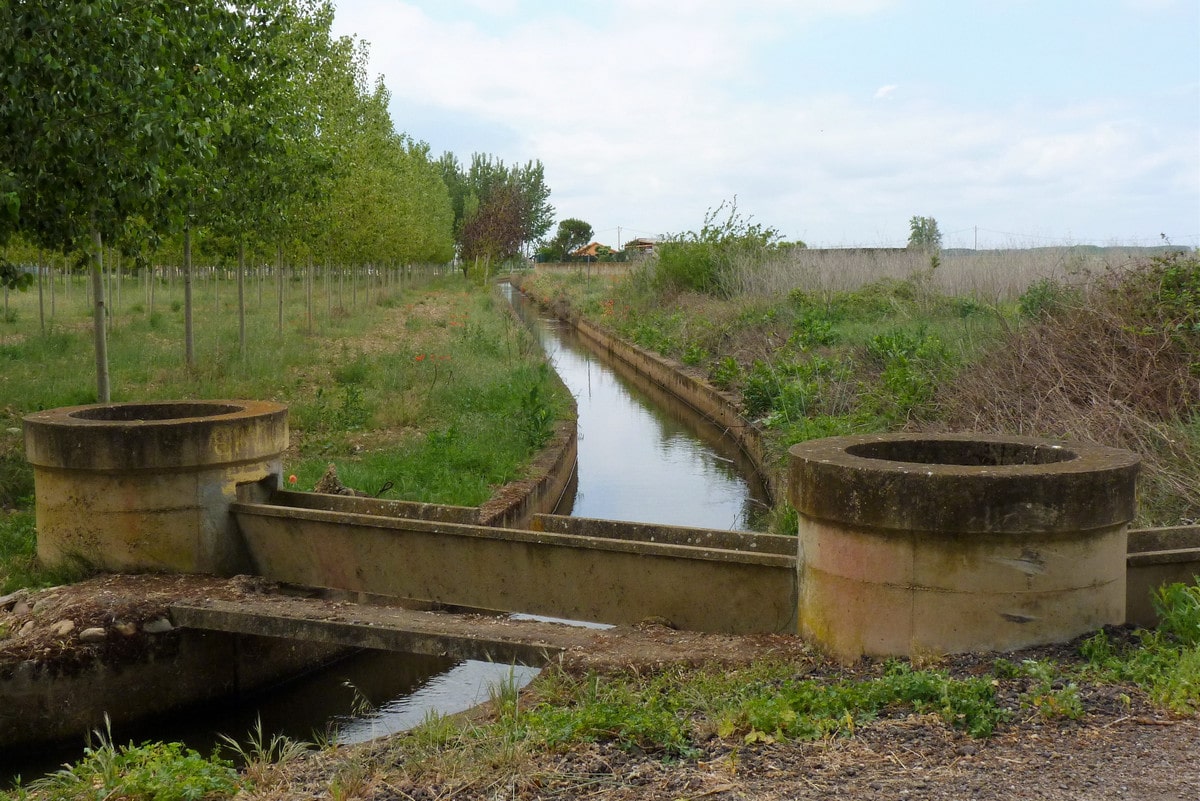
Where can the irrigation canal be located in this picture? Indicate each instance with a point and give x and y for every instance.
(643, 456)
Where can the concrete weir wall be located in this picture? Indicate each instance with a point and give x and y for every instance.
(708, 581)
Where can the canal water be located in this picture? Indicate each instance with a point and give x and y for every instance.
(643, 456)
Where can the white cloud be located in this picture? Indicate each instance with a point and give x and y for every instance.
(645, 116)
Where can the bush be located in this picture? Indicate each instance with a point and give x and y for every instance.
(704, 262)
(1045, 297)
(1117, 366)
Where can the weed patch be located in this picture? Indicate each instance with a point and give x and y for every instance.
(1165, 661)
(147, 772)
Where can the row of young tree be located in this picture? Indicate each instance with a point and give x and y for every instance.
(136, 125)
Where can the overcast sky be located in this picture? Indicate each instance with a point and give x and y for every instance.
(834, 121)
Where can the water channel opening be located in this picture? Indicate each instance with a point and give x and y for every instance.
(963, 453)
(365, 695)
(148, 412)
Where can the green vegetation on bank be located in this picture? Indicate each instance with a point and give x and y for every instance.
(431, 389)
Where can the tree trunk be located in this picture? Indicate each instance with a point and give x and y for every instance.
(41, 268)
(241, 287)
(117, 277)
(308, 291)
(189, 340)
(279, 271)
(99, 331)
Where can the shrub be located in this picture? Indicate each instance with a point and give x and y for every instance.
(704, 262)
(1117, 367)
(726, 373)
(1045, 298)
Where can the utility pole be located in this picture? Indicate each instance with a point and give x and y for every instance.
(977, 237)
(618, 237)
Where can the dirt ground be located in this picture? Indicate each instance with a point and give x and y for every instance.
(1121, 749)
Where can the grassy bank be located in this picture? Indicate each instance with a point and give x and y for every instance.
(425, 386)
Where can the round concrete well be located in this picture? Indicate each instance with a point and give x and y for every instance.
(147, 486)
(916, 544)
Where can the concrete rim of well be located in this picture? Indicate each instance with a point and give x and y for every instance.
(155, 434)
(1034, 485)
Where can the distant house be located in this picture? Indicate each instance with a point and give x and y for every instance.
(593, 251)
(641, 245)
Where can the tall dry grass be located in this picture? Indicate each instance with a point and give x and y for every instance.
(1117, 364)
(993, 276)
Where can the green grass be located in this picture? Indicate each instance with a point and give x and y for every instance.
(1165, 661)
(432, 389)
(146, 772)
(670, 713)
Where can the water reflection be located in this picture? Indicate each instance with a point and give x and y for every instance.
(468, 684)
(644, 455)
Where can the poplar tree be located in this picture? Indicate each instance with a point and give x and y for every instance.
(107, 107)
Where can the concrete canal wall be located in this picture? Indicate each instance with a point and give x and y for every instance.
(726, 581)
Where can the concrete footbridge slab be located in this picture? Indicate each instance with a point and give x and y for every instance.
(389, 628)
(279, 613)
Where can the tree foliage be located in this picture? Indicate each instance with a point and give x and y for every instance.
(706, 260)
(108, 107)
(496, 230)
(924, 234)
(128, 122)
(571, 235)
(517, 194)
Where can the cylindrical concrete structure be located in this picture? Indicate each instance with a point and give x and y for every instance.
(915, 544)
(147, 486)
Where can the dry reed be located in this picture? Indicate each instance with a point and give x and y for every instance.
(993, 276)
(1112, 368)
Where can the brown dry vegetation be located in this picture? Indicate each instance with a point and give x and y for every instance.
(992, 276)
(1118, 364)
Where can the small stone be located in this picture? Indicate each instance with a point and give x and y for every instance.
(125, 629)
(22, 608)
(40, 605)
(28, 627)
(158, 626)
(62, 628)
(93, 634)
(965, 750)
